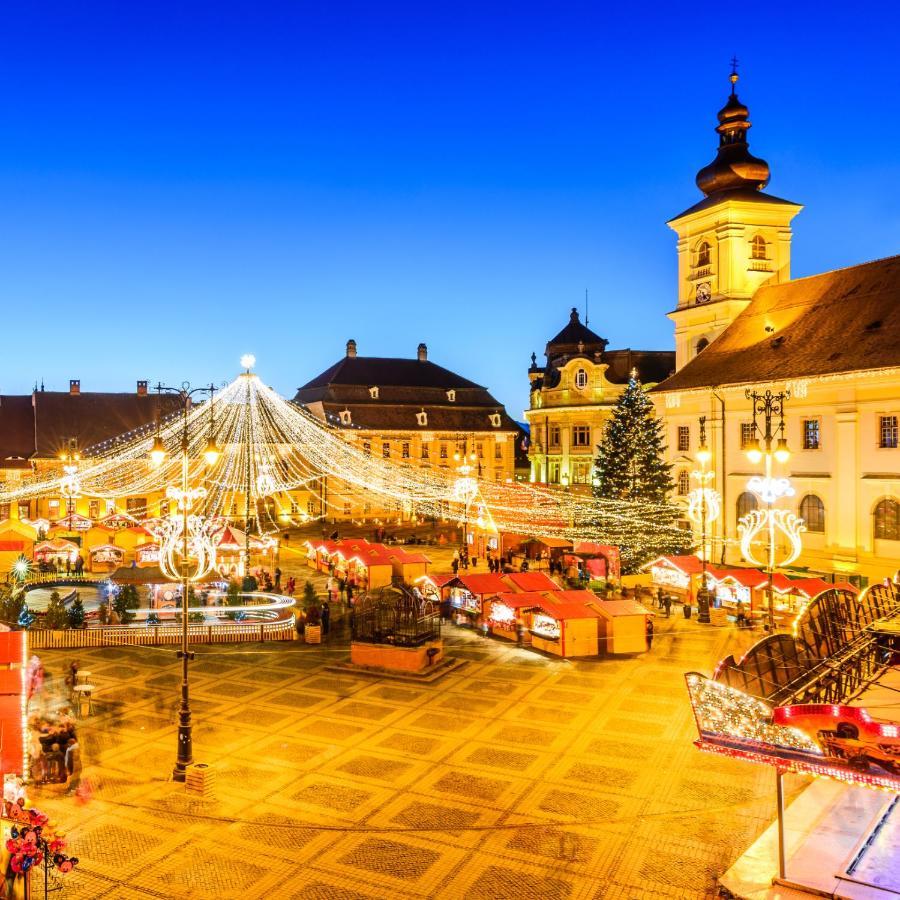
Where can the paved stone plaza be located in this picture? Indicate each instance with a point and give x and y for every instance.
(515, 776)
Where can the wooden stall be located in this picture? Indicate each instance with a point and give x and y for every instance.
(623, 626)
(565, 629)
(105, 558)
(677, 576)
(16, 539)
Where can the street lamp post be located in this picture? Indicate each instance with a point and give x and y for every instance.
(703, 507)
(191, 532)
(769, 444)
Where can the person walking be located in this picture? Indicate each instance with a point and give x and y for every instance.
(68, 565)
(326, 618)
(649, 633)
(73, 765)
(667, 602)
(277, 579)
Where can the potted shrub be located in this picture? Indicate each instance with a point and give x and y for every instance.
(312, 631)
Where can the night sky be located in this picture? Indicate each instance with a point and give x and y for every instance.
(178, 187)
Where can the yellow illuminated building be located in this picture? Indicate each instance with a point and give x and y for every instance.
(831, 340)
(574, 394)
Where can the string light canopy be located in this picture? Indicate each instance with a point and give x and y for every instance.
(269, 450)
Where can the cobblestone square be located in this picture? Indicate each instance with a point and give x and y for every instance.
(514, 776)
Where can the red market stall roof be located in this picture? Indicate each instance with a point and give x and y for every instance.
(750, 578)
(231, 538)
(100, 548)
(812, 587)
(522, 600)
(553, 543)
(566, 610)
(57, 545)
(76, 520)
(583, 548)
(483, 583)
(689, 565)
(118, 520)
(531, 581)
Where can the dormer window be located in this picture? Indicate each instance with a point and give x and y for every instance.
(703, 255)
(345, 416)
(581, 379)
(495, 419)
(451, 396)
(373, 393)
(422, 417)
(758, 248)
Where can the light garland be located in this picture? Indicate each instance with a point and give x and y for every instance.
(291, 452)
(758, 521)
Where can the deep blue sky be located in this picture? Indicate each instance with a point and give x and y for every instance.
(179, 186)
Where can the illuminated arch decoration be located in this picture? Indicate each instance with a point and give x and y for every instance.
(272, 449)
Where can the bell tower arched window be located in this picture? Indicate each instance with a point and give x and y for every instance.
(758, 248)
(702, 344)
(704, 254)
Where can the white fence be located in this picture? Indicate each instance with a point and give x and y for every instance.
(157, 635)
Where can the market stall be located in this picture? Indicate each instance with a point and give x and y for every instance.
(16, 539)
(567, 628)
(623, 626)
(733, 586)
(147, 554)
(105, 558)
(467, 593)
(602, 561)
(509, 615)
(56, 553)
(676, 576)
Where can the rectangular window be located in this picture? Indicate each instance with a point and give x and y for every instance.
(498, 451)
(93, 509)
(581, 470)
(887, 438)
(581, 436)
(294, 508)
(136, 507)
(684, 437)
(310, 507)
(386, 450)
(404, 450)
(25, 510)
(553, 436)
(346, 507)
(425, 451)
(480, 450)
(443, 451)
(747, 435)
(684, 483)
(554, 473)
(367, 448)
(4, 511)
(810, 434)
(53, 509)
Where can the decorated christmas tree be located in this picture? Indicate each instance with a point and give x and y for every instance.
(631, 467)
(56, 616)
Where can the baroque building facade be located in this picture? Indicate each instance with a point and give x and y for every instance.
(573, 395)
(411, 411)
(832, 341)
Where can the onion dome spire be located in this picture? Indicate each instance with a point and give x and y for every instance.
(734, 167)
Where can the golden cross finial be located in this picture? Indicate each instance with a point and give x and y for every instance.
(734, 75)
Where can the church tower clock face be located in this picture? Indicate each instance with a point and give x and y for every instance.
(703, 293)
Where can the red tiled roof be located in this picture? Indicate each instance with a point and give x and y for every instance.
(841, 321)
(531, 581)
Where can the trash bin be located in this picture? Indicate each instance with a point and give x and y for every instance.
(687, 610)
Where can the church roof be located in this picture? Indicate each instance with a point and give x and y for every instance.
(572, 335)
(846, 320)
(388, 371)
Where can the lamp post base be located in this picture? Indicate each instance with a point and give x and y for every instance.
(703, 603)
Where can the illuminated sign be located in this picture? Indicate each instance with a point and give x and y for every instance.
(545, 627)
(732, 593)
(663, 575)
(837, 741)
(462, 599)
(502, 614)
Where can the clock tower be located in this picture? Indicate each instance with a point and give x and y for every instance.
(731, 242)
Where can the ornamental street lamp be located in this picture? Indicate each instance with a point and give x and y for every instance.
(465, 488)
(187, 552)
(769, 444)
(703, 509)
(70, 486)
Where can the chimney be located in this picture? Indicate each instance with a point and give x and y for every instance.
(423, 352)
(74, 386)
(142, 389)
(351, 349)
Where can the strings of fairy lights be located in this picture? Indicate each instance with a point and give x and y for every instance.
(276, 452)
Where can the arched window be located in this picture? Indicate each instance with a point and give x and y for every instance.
(581, 379)
(684, 483)
(758, 247)
(812, 511)
(703, 254)
(887, 520)
(746, 503)
(702, 344)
